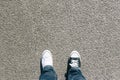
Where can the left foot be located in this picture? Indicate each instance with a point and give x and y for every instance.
(47, 58)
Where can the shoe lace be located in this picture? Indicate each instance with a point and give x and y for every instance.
(74, 63)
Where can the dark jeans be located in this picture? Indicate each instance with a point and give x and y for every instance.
(49, 73)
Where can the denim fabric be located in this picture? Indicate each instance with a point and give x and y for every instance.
(48, 73)
(75, 74)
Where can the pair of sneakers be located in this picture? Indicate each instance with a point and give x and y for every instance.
(74, 60)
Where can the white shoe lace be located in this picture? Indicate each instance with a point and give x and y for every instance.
(74, 63)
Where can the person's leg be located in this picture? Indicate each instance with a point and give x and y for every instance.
(73, 68)
(48, 73)
(47, 70)
(75, 74)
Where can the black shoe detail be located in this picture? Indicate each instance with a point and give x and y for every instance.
(69, 67)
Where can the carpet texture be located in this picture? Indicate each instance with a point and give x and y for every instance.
(27, 27)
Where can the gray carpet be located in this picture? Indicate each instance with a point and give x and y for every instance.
(27, 27)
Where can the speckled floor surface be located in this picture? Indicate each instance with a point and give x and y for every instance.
(27, 27)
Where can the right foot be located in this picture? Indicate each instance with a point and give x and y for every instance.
(74, 61)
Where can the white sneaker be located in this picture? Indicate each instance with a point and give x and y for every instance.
(47, 58)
